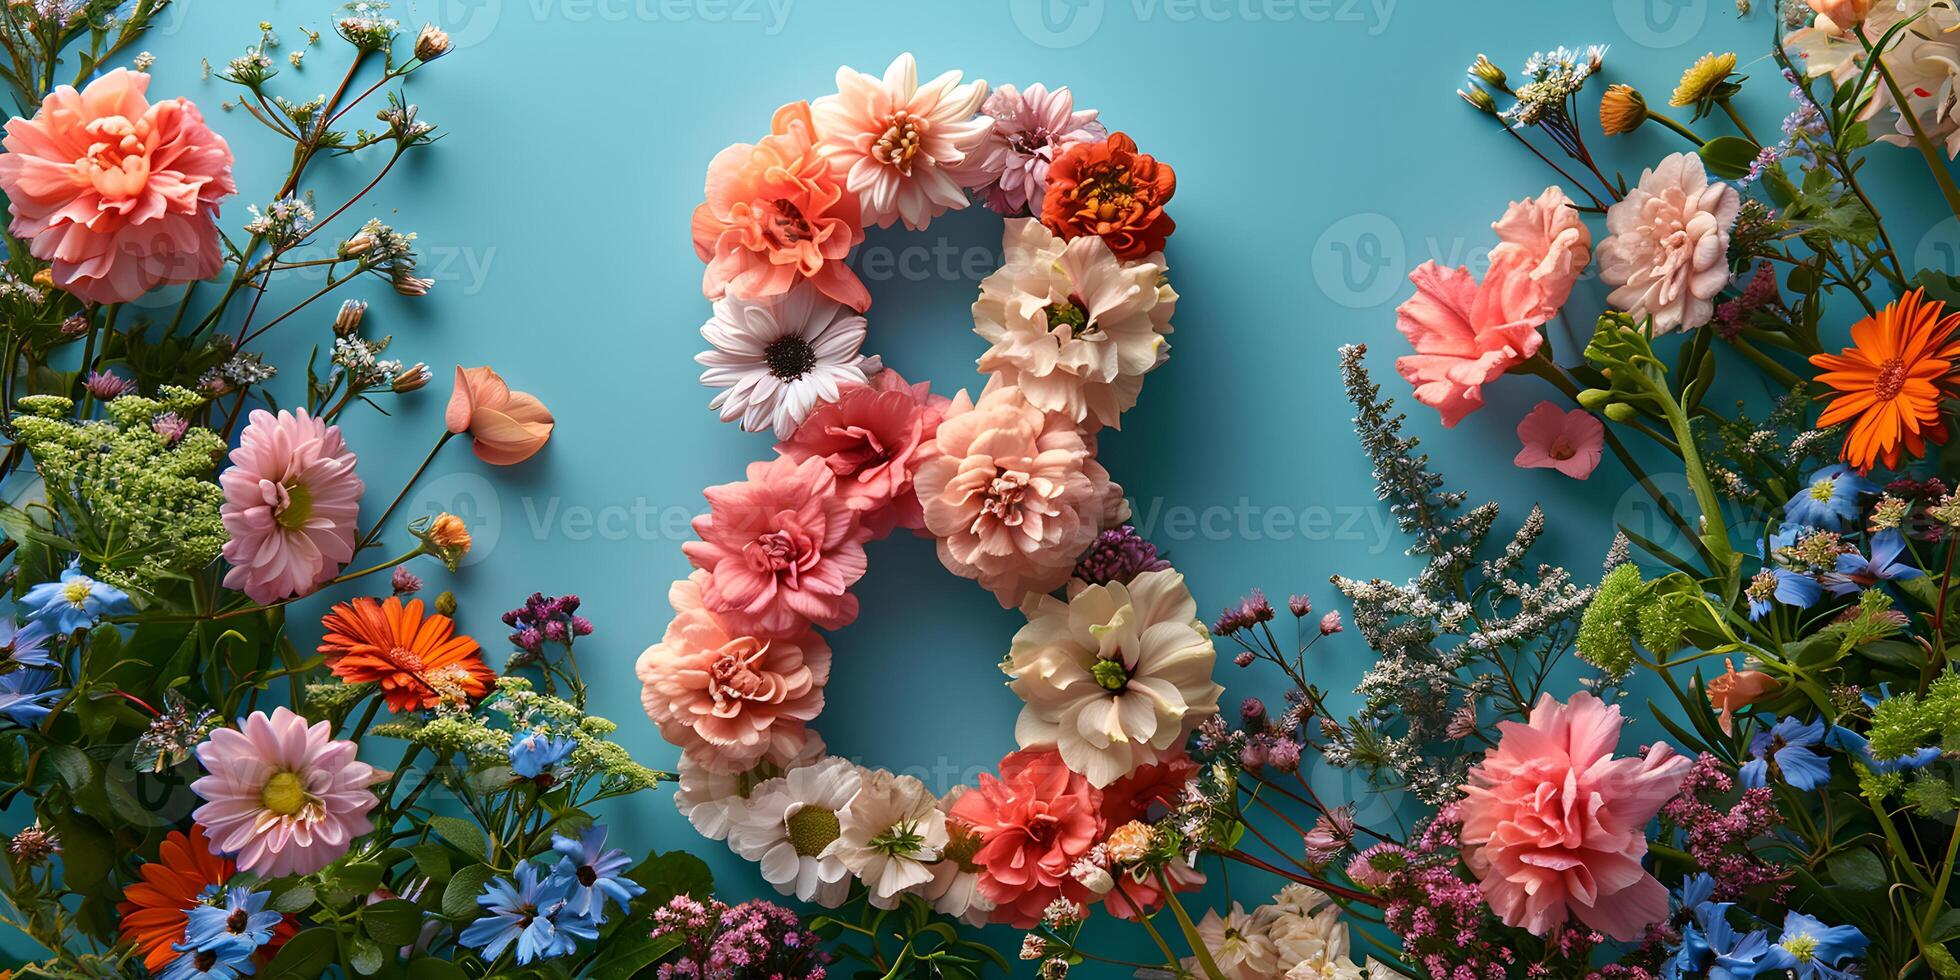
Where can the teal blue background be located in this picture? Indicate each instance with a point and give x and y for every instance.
(1320, 155)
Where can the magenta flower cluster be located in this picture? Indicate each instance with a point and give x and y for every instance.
(755, 940)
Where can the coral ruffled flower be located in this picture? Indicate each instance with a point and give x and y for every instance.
(119, 193)
(1548, 233)
(1035, 822)
(419, 661)
(1734, 690)
(155, 911)
(775, 215)
(1554, 827)
(874, 437)
(1013, 494)
(506, 427)
(1890, 382)
(902, 148)
(1110, 190)
(1030, 129)
(1466, 334)
(728, 699)
(1116, 678)
(1667, 249)
(1071, 325)
(781, 549)
(1568, 442)
(282, 796)
(292, 506)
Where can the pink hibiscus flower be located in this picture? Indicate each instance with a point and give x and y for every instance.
(1468, 333)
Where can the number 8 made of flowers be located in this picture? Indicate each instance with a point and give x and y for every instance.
(1114, 667)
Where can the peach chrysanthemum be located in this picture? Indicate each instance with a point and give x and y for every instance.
(1667, 250)
(902, 147)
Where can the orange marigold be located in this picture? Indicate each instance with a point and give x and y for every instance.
(1890, 382)
(418, 661)
(156, 910)
(1110, 190)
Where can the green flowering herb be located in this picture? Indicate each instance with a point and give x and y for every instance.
(1606, 631)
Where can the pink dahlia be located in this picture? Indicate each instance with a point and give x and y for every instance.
(1035, 822)
(1029, 130)
(282, 796)
(292, 506)
(901, 147)
(119, 193)
(1667, 251)
(1014, 494)
(781, 549)
(1546, 231)
(1554, 826)
(1467, 334)
(724, 698)
(873, 437)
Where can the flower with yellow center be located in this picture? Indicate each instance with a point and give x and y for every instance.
(1703, 79)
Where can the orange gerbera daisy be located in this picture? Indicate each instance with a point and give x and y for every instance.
(156, 911)
(418, 661)
(1889, 383)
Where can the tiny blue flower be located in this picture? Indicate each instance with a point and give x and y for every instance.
(1830, 500)
(76, 601)
(241, 921)
(24, 646)
(223, 963)
(1856, 573)
(1788, 751)
(26, 696)
(1813, 950)
(535, 752)
(596, 874)
(532, 913)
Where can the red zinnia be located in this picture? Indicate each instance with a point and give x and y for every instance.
(1110, 190)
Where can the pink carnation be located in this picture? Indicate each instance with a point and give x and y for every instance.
(781, 549)
(1034, 823)
(725, 698)
(1568, 442)
(1667, 251)
(1548, 234)
(1466, 334)
(1554, 825)
(873, 437)
(1014, 494)
(284, 797)
(292, 506)
(119, 193)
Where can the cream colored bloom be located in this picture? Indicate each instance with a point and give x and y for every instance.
(889, 835)
(902, 147)
(1238, 944)
(955, 886)
(1072, 325)
(1309, 935)
(1116, 677)
(789, 825)
(1667, 252)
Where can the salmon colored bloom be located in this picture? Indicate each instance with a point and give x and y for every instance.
(775, 214)
(1554, 826)
(1035, 822)
(1467, 334)
(903, 148)
(1736, 690)
(1110, 190)
(449, 531)
(1547, 232)
(1568, 442)
(506, 426)
(418, 660)
(781, 549)
(119, 193)
(1889, 383)
(874, 437)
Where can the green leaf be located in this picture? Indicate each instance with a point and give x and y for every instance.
(364, 956)
(432, 859)
(1859, 871)
(672, 873)
(459, 896)
(467, 837)
(75, 767)
(305, 956)
(1729, 157)
(293, 897)
(1946, 927)
(395, 922)
(622, 960)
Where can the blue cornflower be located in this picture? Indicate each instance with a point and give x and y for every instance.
(1860, 747)
(536, 751)
(1780, 585)
(1856, 573)
(223, 963)
(1830, 500)
(23, 646)
(1813, 950)
(1788, 751)
(76, 601)
(26, 696)
(241, 921)
(1710, 946)
(596, 874)
(530, 912)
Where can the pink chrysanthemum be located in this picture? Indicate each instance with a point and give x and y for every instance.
(292, 503)
(119, 193)
(282, 796)
(1031, 127)
(781, 549)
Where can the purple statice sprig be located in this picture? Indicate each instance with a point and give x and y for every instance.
(1118, 555)
(544, 622)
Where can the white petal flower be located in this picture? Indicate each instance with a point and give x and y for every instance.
(902, 147)
(1116, 677)
(775, 358)
(955, 886)
(712, 800)
(890, 834)
(789, 825)
(1072, 325)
